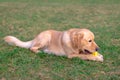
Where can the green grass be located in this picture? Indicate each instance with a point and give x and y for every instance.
(26, 18)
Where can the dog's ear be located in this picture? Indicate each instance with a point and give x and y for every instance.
(76, 39)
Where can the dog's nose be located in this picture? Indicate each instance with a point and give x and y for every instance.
(97, 49)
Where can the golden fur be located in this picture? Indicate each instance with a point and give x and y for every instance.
(71, 43)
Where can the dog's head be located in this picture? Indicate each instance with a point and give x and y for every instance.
(83, 39)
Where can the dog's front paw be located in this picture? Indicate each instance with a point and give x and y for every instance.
(99, 57)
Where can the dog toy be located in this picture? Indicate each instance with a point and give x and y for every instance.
(95, 53)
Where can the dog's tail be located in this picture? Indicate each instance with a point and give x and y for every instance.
(14, 41)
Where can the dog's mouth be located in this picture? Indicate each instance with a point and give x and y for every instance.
(87, 51)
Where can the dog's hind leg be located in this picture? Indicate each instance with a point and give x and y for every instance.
(39, 45)
(41, 42)
(36, 49)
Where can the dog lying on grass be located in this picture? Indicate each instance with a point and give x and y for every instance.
(71, 43)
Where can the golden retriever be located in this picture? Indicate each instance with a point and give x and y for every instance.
(71, 43)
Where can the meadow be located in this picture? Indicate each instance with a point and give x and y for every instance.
(27, 18)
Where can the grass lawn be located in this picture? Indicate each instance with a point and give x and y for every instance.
(26, 18)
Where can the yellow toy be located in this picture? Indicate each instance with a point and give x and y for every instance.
(95, 53)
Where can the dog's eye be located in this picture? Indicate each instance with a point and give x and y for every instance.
(90, 40)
